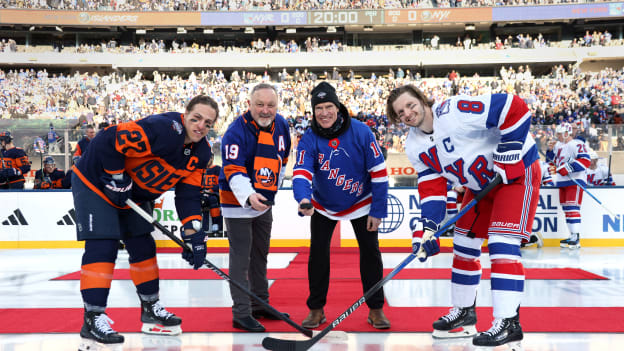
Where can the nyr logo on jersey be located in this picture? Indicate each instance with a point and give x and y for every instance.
(443, 108)
(266, 177)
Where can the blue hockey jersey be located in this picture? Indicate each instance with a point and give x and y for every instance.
(344, 177)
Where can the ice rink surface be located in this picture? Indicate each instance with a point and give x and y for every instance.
(25, 282)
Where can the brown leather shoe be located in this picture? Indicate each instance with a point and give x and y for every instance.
(378, 319)
(314, 319)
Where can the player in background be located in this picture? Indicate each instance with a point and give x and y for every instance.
(340, 171)
(139, 160)
(571, 158)
(470, 140)
(212, 222)
(598, 173)
(13, 163)
(53, 138)
(536, 236)
(83, 143)
(49, 177)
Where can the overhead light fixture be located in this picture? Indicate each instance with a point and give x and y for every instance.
(331, 29)
(470, 27)
(368, 28)
(249, 30)
(291, 30)
(58, 28)
(208, 31)
(31, 28)
(181, 30)
(141, 31)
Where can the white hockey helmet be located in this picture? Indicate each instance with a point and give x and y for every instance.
(564, 128)
(593, 155)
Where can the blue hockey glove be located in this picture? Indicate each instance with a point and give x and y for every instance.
(197, 242)
(117, 188)
(508, 161)
(424, 242)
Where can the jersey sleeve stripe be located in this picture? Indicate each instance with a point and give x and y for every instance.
(498, 104)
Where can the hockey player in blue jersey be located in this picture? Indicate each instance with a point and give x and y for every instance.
(469, 140)
(341, 171)
(13, 163)
(49, 177)
(138, 160)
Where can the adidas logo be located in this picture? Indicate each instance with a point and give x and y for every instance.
(17, 218)
(68, 219)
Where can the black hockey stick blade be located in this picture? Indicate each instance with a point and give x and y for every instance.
(220, 273)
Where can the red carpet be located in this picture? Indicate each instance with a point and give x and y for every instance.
(345, 288)
(349, 273)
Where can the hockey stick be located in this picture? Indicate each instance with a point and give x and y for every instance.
(270, 343)
(611, 213)
(220, 273)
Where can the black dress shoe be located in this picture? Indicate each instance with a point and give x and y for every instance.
(249, 324)
(267, 315)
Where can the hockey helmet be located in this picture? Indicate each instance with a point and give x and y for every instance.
(593, 155)
(49, 160)
(564, 128)
(6, 137)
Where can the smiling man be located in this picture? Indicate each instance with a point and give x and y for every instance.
(340, 170)
(255, 151)
(138, 160)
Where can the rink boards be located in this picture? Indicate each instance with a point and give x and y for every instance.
(45, 219)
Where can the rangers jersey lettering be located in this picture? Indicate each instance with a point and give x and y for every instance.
(345, 177)
(575, 154)
(466, 131)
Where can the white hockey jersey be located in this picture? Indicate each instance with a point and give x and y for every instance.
(599, 176)
(576, 155)
(466, 131)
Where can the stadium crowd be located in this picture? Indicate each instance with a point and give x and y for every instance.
(593, 98)
(261, 5)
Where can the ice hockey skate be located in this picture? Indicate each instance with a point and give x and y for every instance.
(564, 243)
(458, 323)
(157, 320)
(575, 241)
(503, 331)
(96, 330)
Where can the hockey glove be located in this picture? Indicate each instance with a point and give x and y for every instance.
(424, 242)
(197, 255)
(10, 172)
(117, 188)
(565, 169)
(508, 161)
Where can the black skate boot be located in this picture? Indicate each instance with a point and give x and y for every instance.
(503, 331)
(564, 243)
(97, 327)
(157, 320)
(458, 323)
(575, 241)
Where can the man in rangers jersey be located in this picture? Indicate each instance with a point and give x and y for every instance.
(571, 159)
(598, 173)
(468, 140)
(255, 150)
(341, 171)
(13, 163)
(138, 160)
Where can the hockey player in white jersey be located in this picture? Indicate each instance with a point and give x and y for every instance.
(571, 159)
(598, 174)
(469, 140)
